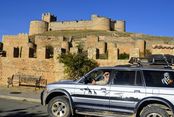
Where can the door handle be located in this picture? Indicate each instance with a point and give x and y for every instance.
(136, 91)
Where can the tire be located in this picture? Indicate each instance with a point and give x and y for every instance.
(59, 107)
(154, 111)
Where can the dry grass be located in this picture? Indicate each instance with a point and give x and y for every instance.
(84, 33)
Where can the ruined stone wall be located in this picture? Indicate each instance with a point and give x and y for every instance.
(56, 43)
(20, 41)
(163, 49)
(48, 69)
(42, 41)
(150, 43)
(125, 47)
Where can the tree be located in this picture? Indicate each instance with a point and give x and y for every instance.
(76, 65)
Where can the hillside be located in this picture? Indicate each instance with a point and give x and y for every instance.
(83, 33)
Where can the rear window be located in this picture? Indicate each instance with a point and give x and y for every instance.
(159, 78)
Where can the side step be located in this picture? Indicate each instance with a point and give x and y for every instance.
(102, 113)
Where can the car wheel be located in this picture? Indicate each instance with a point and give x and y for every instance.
(154, 111)
(59, 107)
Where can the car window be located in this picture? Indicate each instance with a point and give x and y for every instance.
(159, 78)
(124, 78)
(128, 78)
(96, 74)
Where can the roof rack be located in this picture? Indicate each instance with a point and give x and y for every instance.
(156, 61)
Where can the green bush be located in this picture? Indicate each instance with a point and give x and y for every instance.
(76, 65)
(123, 56)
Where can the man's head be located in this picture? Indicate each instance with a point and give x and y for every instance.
(106, 74)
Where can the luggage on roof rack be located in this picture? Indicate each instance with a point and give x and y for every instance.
(156, 61)
(160, 59)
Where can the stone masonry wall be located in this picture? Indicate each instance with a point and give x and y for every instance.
(163, 49)
(48, 69)
(11, 41)
(73, 25)
(49, 23)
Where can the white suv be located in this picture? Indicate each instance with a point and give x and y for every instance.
(131, 90)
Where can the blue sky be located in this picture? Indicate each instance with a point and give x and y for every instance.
(153, 17)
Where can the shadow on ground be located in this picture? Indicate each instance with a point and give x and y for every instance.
(25, 114)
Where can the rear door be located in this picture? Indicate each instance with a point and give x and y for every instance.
(126, 90)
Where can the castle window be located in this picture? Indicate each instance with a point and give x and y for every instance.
(32, 53)
(49, 52)
(63, 51)
(16, 52)
(2, 53)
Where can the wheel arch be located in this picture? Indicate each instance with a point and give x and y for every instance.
(152, 100)
(60, 92)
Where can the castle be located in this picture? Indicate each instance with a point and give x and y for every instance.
(49, 23)
(36, 53)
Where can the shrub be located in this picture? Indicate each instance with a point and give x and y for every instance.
(123, 56)
(76, 65)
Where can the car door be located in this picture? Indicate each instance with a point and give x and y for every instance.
(90, 96)
(126, 90)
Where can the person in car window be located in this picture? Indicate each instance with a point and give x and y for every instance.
(104, 81)
(167, 80)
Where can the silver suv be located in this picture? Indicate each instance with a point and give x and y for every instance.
(131, 90)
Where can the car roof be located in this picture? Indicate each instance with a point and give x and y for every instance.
(130, 67)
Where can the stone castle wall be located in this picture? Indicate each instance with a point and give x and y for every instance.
(46, 68)
(38, 56)
(163, 49)
(37, 27)
(46, 49)
(49, 23)
(46, 64)
(20, 41)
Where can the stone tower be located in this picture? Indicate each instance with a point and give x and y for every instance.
(48, 17)
(100, 23)
(38, 27)
(120, 26)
